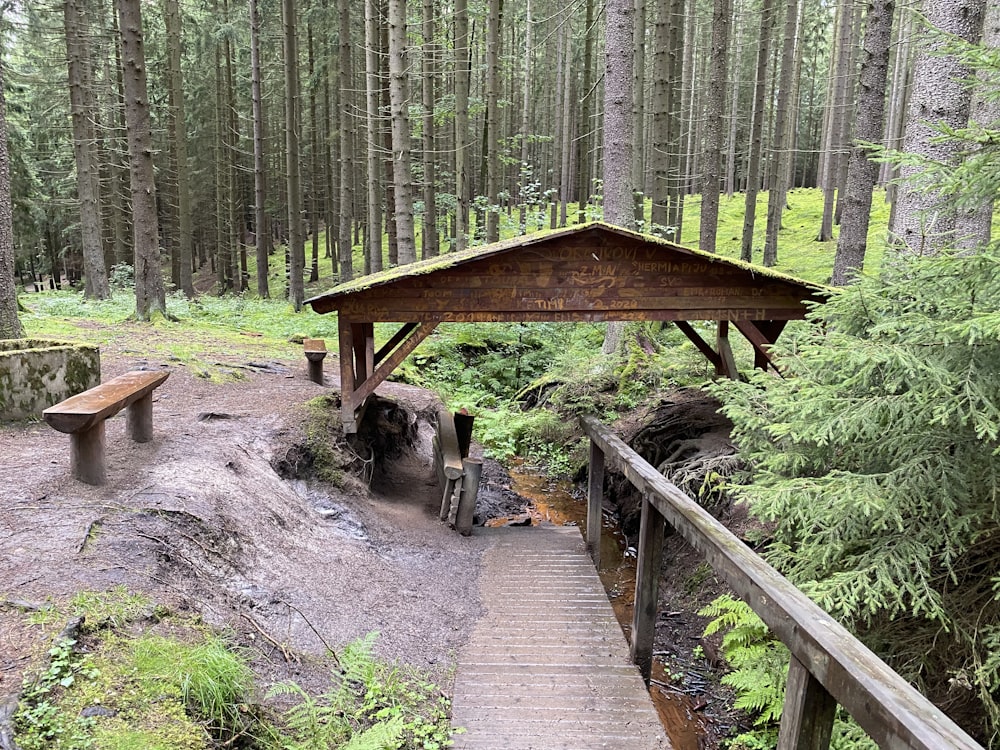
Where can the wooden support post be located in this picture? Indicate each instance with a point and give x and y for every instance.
(470, 489)
(647, 587)
(86, 455)
(139, 419)
(807, 717)
(727, 361)
(595, 502)
(348, 379)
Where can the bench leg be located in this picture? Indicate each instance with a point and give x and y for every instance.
(140, 419)
(86, 455)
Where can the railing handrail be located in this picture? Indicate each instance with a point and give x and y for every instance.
(886, 706)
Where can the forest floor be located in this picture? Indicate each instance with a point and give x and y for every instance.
(208, 518)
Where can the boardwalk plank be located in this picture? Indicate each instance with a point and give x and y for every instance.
(548, 668)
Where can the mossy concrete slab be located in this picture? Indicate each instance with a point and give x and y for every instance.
(37, 373)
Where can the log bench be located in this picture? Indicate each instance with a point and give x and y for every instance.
(82, 417)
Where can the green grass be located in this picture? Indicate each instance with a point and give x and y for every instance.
(172, 683)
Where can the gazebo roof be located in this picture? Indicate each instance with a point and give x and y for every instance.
(589, 271)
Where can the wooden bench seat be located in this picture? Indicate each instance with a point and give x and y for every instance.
(82, 417)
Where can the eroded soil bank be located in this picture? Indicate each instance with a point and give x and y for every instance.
(201, 520)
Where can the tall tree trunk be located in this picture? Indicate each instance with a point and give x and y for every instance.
(973, 228)
(10, 322)
(901, 70)
(659, 162)
(584, 186)
(296, 243)
(262, 237)
(776, 185)
(429, 235)
(566, 158)
(399, 103)
(715, 104)
(618, 73)
(525, 171)
(840, 75)
(924, 220)
(675, 115)
(179, 145)
(150, 296)
(462, 75)
(345, 243)
(83, 107)
(862, 171)
(734, 105)
(492, 122)
(756, 130)
(315, 197)
(373, 249)
(234, 193)
(639, 112)
(847, 120)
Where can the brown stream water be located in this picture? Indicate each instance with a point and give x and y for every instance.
(553, 502)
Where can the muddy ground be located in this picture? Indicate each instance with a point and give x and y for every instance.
(205, 519)
(200, 520)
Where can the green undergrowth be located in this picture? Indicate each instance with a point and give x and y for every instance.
(139, 677)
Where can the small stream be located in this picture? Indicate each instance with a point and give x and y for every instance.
(553, 502)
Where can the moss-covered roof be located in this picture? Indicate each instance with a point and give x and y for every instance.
(451, 260)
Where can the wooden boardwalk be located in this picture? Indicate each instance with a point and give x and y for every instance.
(547, 668)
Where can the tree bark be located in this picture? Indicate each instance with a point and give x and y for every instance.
(461, 124)
(429, 235)
(179, 144)
(83, 107)
(924, 221)
(618, 72)
(262, 237)
(296, 242)
(492, 122)
(373, 237)
(150, 296)
(639, 112)
(659, 162)
(777, 187)
(862, 172)
(840, 75)
(345, 243)
(585, 128)
(10, 322)
(753, 173)
(973, 228)
(399, 103)
(715, 104)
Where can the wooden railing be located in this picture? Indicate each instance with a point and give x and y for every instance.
(828, 664)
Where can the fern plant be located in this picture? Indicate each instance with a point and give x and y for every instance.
(372, 705)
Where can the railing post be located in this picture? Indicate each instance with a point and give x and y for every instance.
(807, 717)
(647, 587)
(595, 502)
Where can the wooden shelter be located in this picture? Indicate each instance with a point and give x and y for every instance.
(590, 272)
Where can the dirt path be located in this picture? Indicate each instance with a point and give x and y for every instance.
(199, 520)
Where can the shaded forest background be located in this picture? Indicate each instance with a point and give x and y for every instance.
(365, 134)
